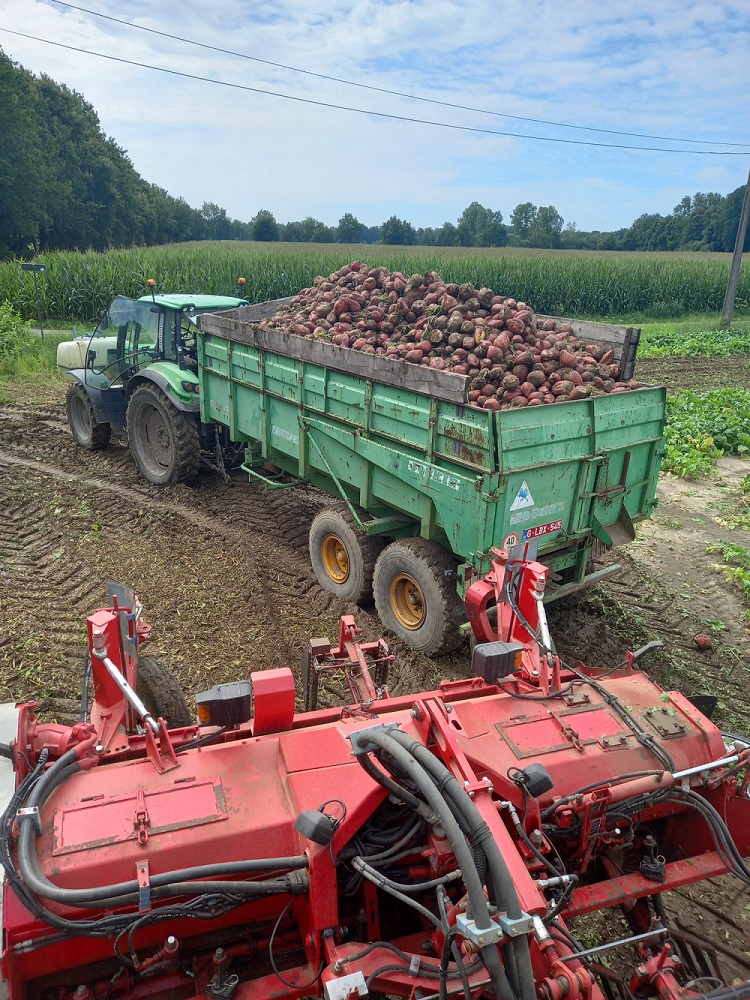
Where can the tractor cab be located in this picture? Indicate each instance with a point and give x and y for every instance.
(127, 337)
(150, 339)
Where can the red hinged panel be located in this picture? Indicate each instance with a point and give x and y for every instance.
(559, 732)
(101, 821)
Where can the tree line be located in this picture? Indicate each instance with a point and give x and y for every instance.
(64, 184)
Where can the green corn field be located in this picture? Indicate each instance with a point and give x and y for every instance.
(78, 286)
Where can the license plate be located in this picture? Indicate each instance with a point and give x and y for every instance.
(541, 529)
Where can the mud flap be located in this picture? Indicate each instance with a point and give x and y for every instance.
(619, 533)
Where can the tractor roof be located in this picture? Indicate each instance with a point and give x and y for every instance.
(179, 300)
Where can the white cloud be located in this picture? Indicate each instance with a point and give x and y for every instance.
(676, 68)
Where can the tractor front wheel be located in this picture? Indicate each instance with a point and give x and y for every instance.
(85, 428)
(342, 555)
(159, 691)
(164, 440)
(415, 595)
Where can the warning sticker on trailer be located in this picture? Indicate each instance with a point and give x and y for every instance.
(523, 498)
(541, 529)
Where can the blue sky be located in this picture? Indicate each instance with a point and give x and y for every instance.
(662, 67)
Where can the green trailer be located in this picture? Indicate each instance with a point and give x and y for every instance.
(426, 485)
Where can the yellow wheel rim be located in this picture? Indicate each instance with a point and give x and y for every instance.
(335, 558)
(407, 601)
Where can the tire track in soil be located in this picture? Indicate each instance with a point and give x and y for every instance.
(268, 533)
(45, 581)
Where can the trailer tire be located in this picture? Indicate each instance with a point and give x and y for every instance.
(165, 441)
(415, 595)
(87, 432)
(158, 689)
(343, 557)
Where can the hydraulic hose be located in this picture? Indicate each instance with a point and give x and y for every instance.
(422, 780)
(387, 782)
(360, 864)
(179, 879)
(718, 829)
(480, 836)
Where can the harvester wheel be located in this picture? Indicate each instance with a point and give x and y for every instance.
(85, 428)
(164, 440)
(415, 595)
(158, 689)
(342, 556)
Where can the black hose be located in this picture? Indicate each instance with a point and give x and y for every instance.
(377, 879)
(548, 810)
(719, 831)
(455, 950)
(433, 883)
(395, 848)
(38, 883)
(448, 942)
(387, 782)
(456, 798)
(740, 992)
(422, 780)
(480, 836)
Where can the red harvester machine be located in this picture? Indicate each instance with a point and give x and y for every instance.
(428, 845)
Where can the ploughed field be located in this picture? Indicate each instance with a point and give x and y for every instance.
(224, 575)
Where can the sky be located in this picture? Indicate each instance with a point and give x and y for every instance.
(670, 68)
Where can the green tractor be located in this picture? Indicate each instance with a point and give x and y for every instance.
(136, 376)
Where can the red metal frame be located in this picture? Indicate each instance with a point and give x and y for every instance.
(146, 803)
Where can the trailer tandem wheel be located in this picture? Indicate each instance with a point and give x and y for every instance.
(415, 595)
(342, 556)
(85, 428)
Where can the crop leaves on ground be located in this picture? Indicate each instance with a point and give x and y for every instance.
(676, 343)
(734, 508)
(701, 427)
(734, 566)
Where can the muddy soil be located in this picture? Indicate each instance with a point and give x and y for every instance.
(225, 578)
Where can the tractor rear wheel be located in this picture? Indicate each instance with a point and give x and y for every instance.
(85, 428)
(164, 440)
(415, 595)
(159, 691)
(343, 557)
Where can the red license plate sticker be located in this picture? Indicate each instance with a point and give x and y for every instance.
(541, 529)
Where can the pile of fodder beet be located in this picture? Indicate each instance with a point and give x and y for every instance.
(512, 356)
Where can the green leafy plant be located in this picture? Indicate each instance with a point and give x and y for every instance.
(701, 427)
(677, 343)
(734, 566)
(734, 507)
(14, 337)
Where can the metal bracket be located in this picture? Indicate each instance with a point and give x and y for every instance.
(222, 987)
(333, 475)
(505, 927)
(144, 887)
(32, 813)
(518, 926)
(361, 744)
